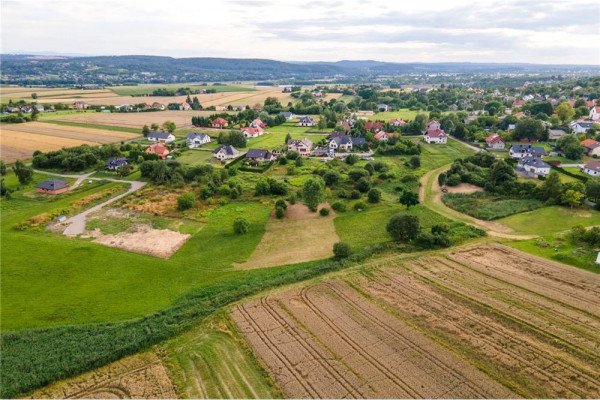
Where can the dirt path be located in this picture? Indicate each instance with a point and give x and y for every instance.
(430, 195)
(77, 222)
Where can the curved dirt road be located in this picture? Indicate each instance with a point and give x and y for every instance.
(430, 195)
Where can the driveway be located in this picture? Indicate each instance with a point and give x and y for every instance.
(466, 144)
(76, 224)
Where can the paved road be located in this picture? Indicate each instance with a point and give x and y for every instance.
(76, 224)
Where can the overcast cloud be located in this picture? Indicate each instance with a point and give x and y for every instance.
(546, 31)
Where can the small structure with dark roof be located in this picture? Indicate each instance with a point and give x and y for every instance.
(523, 150)
(259, 155)
(592, 168)
(533, 166)
(115, 163)
(161, 137)
(52, 186)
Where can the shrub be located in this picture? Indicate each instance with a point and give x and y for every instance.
(356, 174)
(415, 162)
(341, 250)
(374, 196)
(281, 203)
(409, 178)
(360, 205)
(279, 212)
(339, 206)
(292, 199)
(283, 160)
(299, 162)
(324, 211)
(331, 178)
(352, 159)
(403, 227)
(186, 201)
(241, 226)
(363, 185)
(355, 194)
(292, 155)
(453, 180)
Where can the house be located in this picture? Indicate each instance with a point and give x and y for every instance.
(317, 93)
(219, 123)
(555, 134)
(495, 142)
(159, 149)
(115, 163)
(306, 121)
(52, 186)
(259, 155)
(158, 106)
(383, 107)
(39, 107)
(397, 122)
(257, 123)
(195, 139)
(322, 152)
(595, 113)
(335, 134)
(288, 115)
(185, 106)
(302, 147)
(434, 135)
(80, 105)
(592, 147)
(518, 103)
(592, 168)
(26, 109)
(520, 114)
(251, 132)
(364, 113)
(257, 107)
(374, 126)
(384, 136)
(225, 153)
(161, 137)
(13, 109)
(581, 126)
(220, 108)
(523, 150)
(434, 125)
(358, 141)
(346, 125)
(533, 166)
(341, 143)
(453, 107)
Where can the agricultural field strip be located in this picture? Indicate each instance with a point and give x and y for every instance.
(536, 357)
(380, 372)
(35, 141)
(59, 134)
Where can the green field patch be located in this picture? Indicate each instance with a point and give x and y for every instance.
(549, 220)
(488, 207)
(95, 126)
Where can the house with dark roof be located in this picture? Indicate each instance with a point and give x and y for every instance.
(592, 168)
(522, 150)
(592, 147)
(195, 139)
(555, 134)
(533, 166)
(259, 156)
(302, 147)
(52, 186)
(161, 137)
(115, 163)
(225, 153)
(340, 143)
(306, 121)
(322, 152)
(288, 115)
(581, 126)
(358, 141)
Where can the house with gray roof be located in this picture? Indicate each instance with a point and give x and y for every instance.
(52, 186)
(195, 139)
(225, 153)
(161, 137)
(259, 155)
(115, 163)
(288, 115)
(533, 166)
(523, 150)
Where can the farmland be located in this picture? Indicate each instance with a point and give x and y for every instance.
(19, 141)
(513, 331)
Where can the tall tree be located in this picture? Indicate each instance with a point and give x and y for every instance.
(564, 111)
(403, 227)
(313, 192)
(552, 188)
(592, 189)
(409, 198)
(572, 198)
(23, 173)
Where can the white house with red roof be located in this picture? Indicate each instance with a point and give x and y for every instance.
(257, 123)
(435, 135)
(595, 113)
(185, 106)
(383, 136)
(495, 142)
(251, 132)
(219, 123)
(434, 125)
(518, 103)
(397, 122)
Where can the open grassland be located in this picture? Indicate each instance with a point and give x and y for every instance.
(405, 114)
(549, 220)
(488, 207)
(482, 322)
(19, 141)
(212, 361)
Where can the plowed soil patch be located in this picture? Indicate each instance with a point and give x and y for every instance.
(329, 341)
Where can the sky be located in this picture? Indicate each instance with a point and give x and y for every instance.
(532, 31)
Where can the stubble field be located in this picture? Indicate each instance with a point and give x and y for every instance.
(479, 322)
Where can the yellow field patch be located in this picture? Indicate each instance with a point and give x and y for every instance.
(135, 120)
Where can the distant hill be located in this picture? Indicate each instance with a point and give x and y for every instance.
(58, 69)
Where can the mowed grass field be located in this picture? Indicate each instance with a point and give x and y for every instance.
(404, 113)
(19, 141)
(549, 220)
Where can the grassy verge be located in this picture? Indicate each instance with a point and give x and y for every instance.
(488, 207)
(549, 220)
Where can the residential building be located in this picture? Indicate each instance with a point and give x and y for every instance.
(595, 113)
(555, 134)
(115, 163)
(52, 186)
(195, 139)
(495, 142)
(374, 126)
(383, 136)
(159, 149)
(219, 123)
(397, 122)
(80, 105)
(383, 107)
(581, 126)
(161, 137)
(259, 156)
(288, 115)
(185, 106)
(592, 147)
(533, 166)
(303, 147)
(225, 153)
(434, 125)
(306, 121)
(435, 135)
(592, 168)
(257, 123)
(250, 132)
(523, 150)
(341, 143)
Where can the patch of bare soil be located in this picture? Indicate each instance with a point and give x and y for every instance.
(302, 235)
(142, 376)
(464, 188)
(144, 239)
(328, 341)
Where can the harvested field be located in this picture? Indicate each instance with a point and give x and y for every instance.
(464, 188)
(134, 120)
(142, 376)
(300, 236)
(19, 141)
(486, 322)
